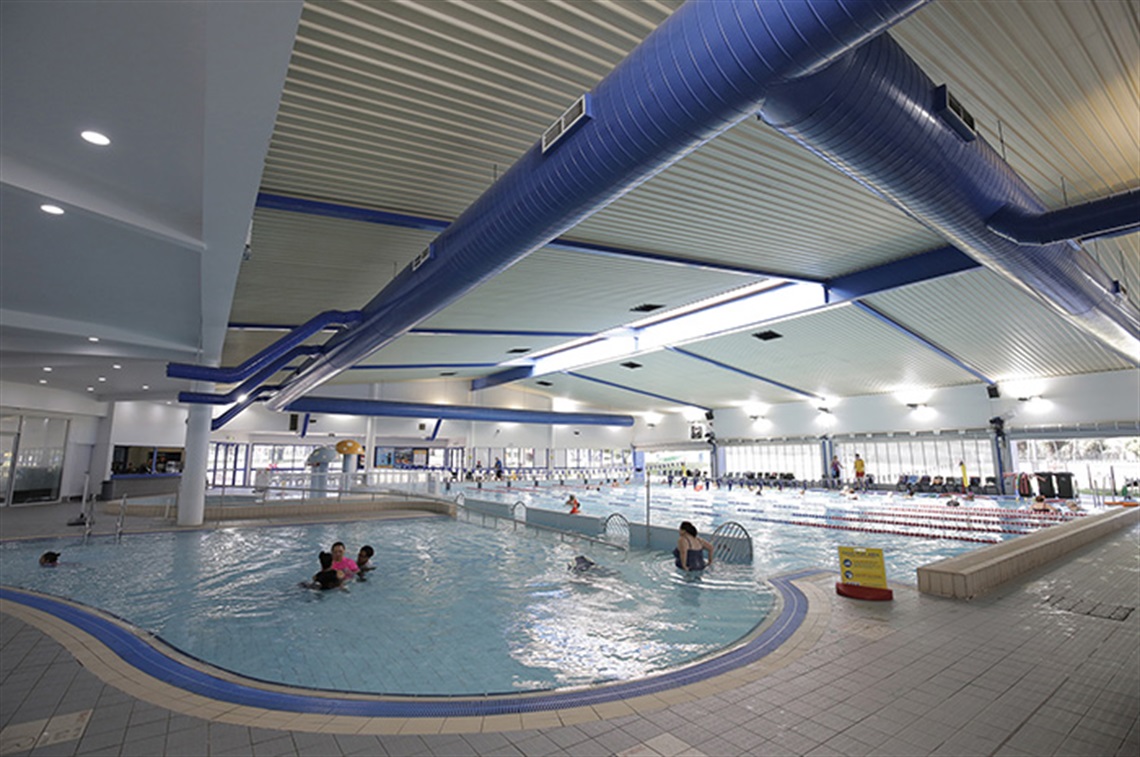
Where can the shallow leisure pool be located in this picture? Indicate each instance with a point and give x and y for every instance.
(452, 608)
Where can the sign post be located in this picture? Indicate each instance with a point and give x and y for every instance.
(862, 575)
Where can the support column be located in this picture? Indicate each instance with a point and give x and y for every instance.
(192, 491)
(100, 468)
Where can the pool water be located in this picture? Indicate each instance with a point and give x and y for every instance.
(452, 608)
(789, 530)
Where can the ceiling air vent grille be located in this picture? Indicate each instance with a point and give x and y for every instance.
(423, 257)
(578, 112)
(631, 365)
(518, 350)
(951, 111)
(544, 383)
(647, 307)
(767, 336)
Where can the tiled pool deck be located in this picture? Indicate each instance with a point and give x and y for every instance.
(1023, 671)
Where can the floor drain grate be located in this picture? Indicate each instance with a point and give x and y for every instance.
(1088, 607)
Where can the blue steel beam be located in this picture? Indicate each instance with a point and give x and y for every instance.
(636, 391)
(385, 218)
(245, 326)
(871, 311)
(516, 373)
(742, 372)
(926, 266)
(384, 408)
(419, 366)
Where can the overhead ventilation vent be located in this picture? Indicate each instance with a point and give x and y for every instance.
(518, 350)
(423, 257)
(578, 112)
(447, 373)
(767, 336)
(647, 307)
(951, 111)
(631, 365)
(544, 383)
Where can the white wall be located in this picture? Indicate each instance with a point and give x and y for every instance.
(24, 397)
(149, 424)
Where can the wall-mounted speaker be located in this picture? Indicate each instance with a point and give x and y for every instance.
(293, 421)
(993, 391)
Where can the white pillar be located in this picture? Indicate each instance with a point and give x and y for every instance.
(192, 492)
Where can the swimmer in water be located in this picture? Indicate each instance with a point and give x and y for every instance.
(689, 553)
(364, 559)
(574, 505)
(327, 577)
(49, 559)
(342, 563)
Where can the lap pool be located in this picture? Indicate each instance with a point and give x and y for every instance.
(452, 609)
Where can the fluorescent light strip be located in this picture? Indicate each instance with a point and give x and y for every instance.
(725, 314)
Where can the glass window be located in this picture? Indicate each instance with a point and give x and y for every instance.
(39, 449)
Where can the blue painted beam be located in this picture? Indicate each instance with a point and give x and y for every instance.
(636, 391)
(245, 326)
(883, 317)
(349, 212)
(338, 406)
(516, 373)
(742, 372)
(926, 266)
(385, 218)
(418, 366)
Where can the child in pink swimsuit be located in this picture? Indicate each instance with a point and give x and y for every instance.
(342, 563)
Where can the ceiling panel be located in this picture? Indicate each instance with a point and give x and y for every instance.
(839, 352)
(995, 327)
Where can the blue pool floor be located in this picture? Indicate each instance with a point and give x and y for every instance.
(1007, 674)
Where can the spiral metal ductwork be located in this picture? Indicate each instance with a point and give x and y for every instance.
(704, 69)
(872, 114)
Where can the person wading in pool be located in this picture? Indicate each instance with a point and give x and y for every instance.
(689, 553)
(327, 577)
(345, 564)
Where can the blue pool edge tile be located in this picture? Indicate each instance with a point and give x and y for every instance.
(133, 649)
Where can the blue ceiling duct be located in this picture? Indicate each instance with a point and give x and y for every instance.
(876, 116)
(279, 353)
(1106, 216)
(337, 406)
(704, 69)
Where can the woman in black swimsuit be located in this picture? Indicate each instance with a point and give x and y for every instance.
(690, 551)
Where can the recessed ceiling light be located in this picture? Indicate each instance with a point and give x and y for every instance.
(116, 366)
(47, 368)
(96, 138)
(43, 381)
(90, 388)
(93, 339)
(145, 386)
(102, 378)
(50, 209)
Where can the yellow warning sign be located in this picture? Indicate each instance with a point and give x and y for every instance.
(860, 566)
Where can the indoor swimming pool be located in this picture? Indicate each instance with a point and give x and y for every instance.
(451, 609)
(794, 529)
